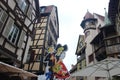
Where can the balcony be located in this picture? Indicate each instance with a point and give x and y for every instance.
(113, 44)
(100, 53)
(110, 46)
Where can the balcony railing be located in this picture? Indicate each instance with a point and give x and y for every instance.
(100, 53)
(113, 49)
(100, 50)
(113, 45)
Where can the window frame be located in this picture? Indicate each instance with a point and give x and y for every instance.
(13, 35)
(42, 9)
(23, 4)
(3, 17)
(91, 58)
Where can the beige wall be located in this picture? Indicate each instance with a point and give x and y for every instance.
(93, 33)
(89, 38)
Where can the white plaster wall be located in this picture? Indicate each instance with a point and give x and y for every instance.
(27, 48)
(88, 39)
(10, 47)
(19, 54)
(11, 3)
(1, 40)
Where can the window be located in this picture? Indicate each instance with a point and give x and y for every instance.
(38, 57)
(91, 58)
(29, 12)
(92, 23)
(80, 44)
(23, 4)
(30, 56)
(42, 10)
(11, 31)
(50, 40)
(3, 17)
(13, 34)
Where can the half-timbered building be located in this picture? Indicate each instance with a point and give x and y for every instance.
(46, 34)
(17, 22)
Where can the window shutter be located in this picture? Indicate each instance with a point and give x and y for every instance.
(0, 18)
(29, 11)
(8, 27)
(3, 17)
(21, 40)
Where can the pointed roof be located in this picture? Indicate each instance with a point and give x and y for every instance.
(107, 20)
(48, 9)
(100, 16)
(88, 15)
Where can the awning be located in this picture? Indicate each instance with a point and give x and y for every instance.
(6, 68)
(106, 68)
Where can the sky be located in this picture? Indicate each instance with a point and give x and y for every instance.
(70, 14)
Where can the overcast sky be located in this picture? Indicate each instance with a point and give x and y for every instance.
(70, 14)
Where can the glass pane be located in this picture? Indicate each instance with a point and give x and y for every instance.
(24, 6)
(15, 35)
(4, 16)
(11, 33)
